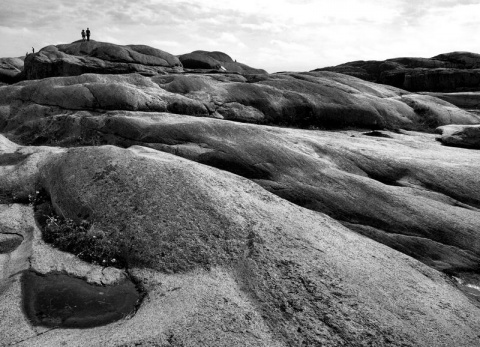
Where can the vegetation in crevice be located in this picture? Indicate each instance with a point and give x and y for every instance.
(82, 239)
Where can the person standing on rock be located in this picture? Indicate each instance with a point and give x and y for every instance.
(83, 35)
(88, 34)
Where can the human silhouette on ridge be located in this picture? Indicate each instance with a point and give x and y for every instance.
(88, 34)
(83, 35)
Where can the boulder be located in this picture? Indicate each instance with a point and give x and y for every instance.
(203, 60)
(82, 57)
(450, 72)
(11, 70)
(467, 136)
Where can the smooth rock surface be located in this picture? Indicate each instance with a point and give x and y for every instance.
(31, 109)
(287, 259)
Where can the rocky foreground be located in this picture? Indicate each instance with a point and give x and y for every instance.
(230, 207)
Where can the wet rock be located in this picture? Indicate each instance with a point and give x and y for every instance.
(58, 300)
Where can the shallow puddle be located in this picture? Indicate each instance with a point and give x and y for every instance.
(58, 300)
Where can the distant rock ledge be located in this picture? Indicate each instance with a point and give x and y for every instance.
(449, 72)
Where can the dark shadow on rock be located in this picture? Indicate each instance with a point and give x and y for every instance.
(58, 300)
(12, 158)
(9, 242)
(376, 133)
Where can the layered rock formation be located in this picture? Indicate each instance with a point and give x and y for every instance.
(450, 72)
(234, 233)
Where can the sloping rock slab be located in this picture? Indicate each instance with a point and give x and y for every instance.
(467, 136)
(287, 259)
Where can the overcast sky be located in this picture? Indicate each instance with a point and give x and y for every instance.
(277, 35)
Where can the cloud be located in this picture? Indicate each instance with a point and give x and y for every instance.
(283, 35)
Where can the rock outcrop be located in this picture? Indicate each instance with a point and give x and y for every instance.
(450, 72)
(467, 136)
(203, 60)
(11, 70)
(188, 194)
(82, 57)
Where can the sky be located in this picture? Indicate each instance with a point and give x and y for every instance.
(276, 35)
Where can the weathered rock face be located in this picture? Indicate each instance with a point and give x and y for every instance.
(450, 72)
(460, 135)
(274, 273)
(11, 70)
(82, 57)
(202, 60)
(322, 99)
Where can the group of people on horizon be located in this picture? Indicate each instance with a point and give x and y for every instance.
(86, 33)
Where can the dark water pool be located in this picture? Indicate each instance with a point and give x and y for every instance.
(58, 300)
